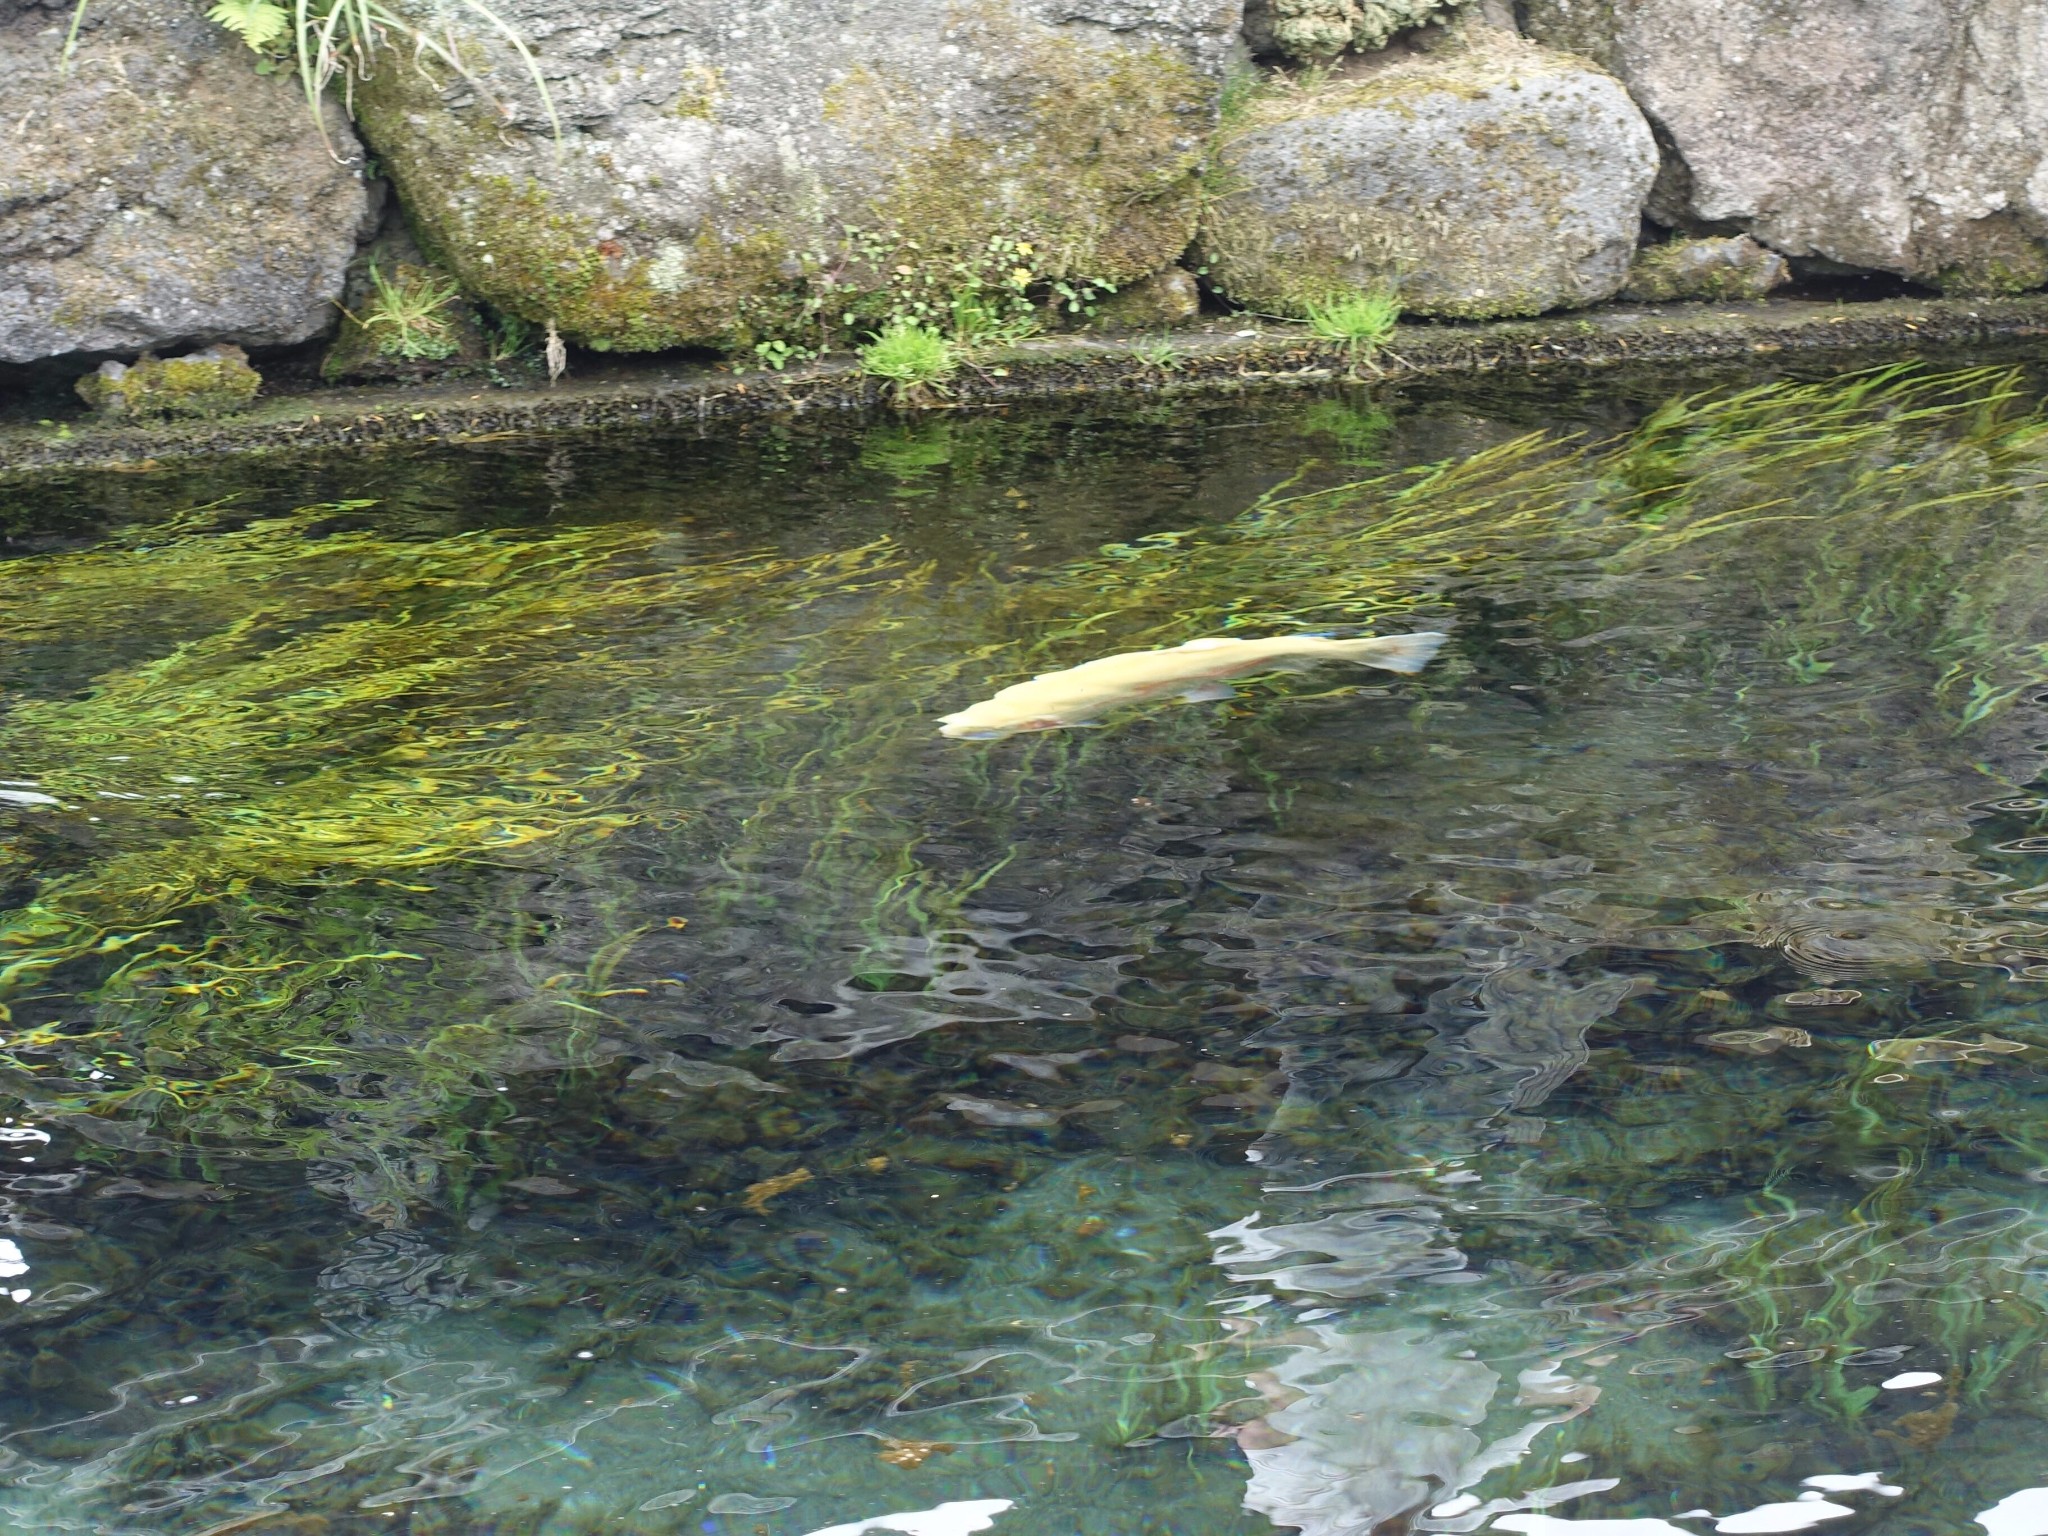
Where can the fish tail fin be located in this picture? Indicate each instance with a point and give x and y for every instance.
(1394, 653)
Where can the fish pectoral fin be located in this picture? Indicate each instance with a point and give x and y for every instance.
(1206, 693)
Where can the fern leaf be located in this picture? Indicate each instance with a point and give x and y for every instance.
(259, 23)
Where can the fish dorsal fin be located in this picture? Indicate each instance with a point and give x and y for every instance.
(1209, 645)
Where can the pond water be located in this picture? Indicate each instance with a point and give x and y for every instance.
(518, 1022)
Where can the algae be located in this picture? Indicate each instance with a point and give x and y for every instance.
(209, 383)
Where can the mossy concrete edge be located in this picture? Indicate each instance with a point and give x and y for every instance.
(1220, 358)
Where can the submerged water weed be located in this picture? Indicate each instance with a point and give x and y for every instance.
(366, 711)
(911, 357)
(335, 735)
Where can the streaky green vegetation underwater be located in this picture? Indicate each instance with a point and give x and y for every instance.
(517, 1023)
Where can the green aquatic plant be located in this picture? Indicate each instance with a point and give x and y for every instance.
(370, 719)
(316, 748)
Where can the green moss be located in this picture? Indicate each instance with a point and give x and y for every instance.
(209, 383)
(1714, 270)
(703, 89)
(2002, 259)
(1320, 240)
(1099, 183)
(1164, 299)
(1312, 30)
(1101, 179)
(509, 245)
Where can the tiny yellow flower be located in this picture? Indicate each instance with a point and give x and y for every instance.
(1023, 247)
(1021, 276)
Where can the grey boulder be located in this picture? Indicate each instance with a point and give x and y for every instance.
(161, 191)
(728, 172)
(1908, 136)
(1489, 177)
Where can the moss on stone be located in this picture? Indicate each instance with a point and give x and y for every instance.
(371, 344)
(1163, 300)
(209, 383)
(1095, 174)
(1715, 270)
(2002, 258)
(510, 245)
(1286, 245)
(1311, 31)
(1101, 180)
(703, 89)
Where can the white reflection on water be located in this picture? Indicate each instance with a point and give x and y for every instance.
(955, 1519)
(2018, 1514)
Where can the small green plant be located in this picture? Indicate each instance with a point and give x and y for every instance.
(411, 315)
(777, 354)
(1160, 353)
(1361, 320)
(982, 318)
(868, 280)
(508, 339)
(909, 356)
(1079, 296)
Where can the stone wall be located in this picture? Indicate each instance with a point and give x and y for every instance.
(793, 174)
(161, 192)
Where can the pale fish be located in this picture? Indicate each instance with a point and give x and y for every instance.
(1197, 671)
(1760, 1042)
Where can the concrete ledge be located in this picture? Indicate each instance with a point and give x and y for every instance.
(1223, 357)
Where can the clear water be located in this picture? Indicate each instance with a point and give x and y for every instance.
(520, 1025)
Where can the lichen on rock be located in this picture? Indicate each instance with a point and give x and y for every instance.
(733, 174)
(1310, 31)
(1487, 178)
(1733, 267)
(210, 382)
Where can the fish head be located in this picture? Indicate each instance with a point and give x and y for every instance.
(984, 722)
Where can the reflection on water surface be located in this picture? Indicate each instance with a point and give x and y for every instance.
(519, 1024)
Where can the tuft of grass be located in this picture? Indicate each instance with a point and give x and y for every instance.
(411, 314)
(1160, 353)
(1362, 320)
(909, 356)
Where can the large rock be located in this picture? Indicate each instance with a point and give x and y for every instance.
(715, 156)
(1907, 136)
(1491, 177)
(161, 191)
